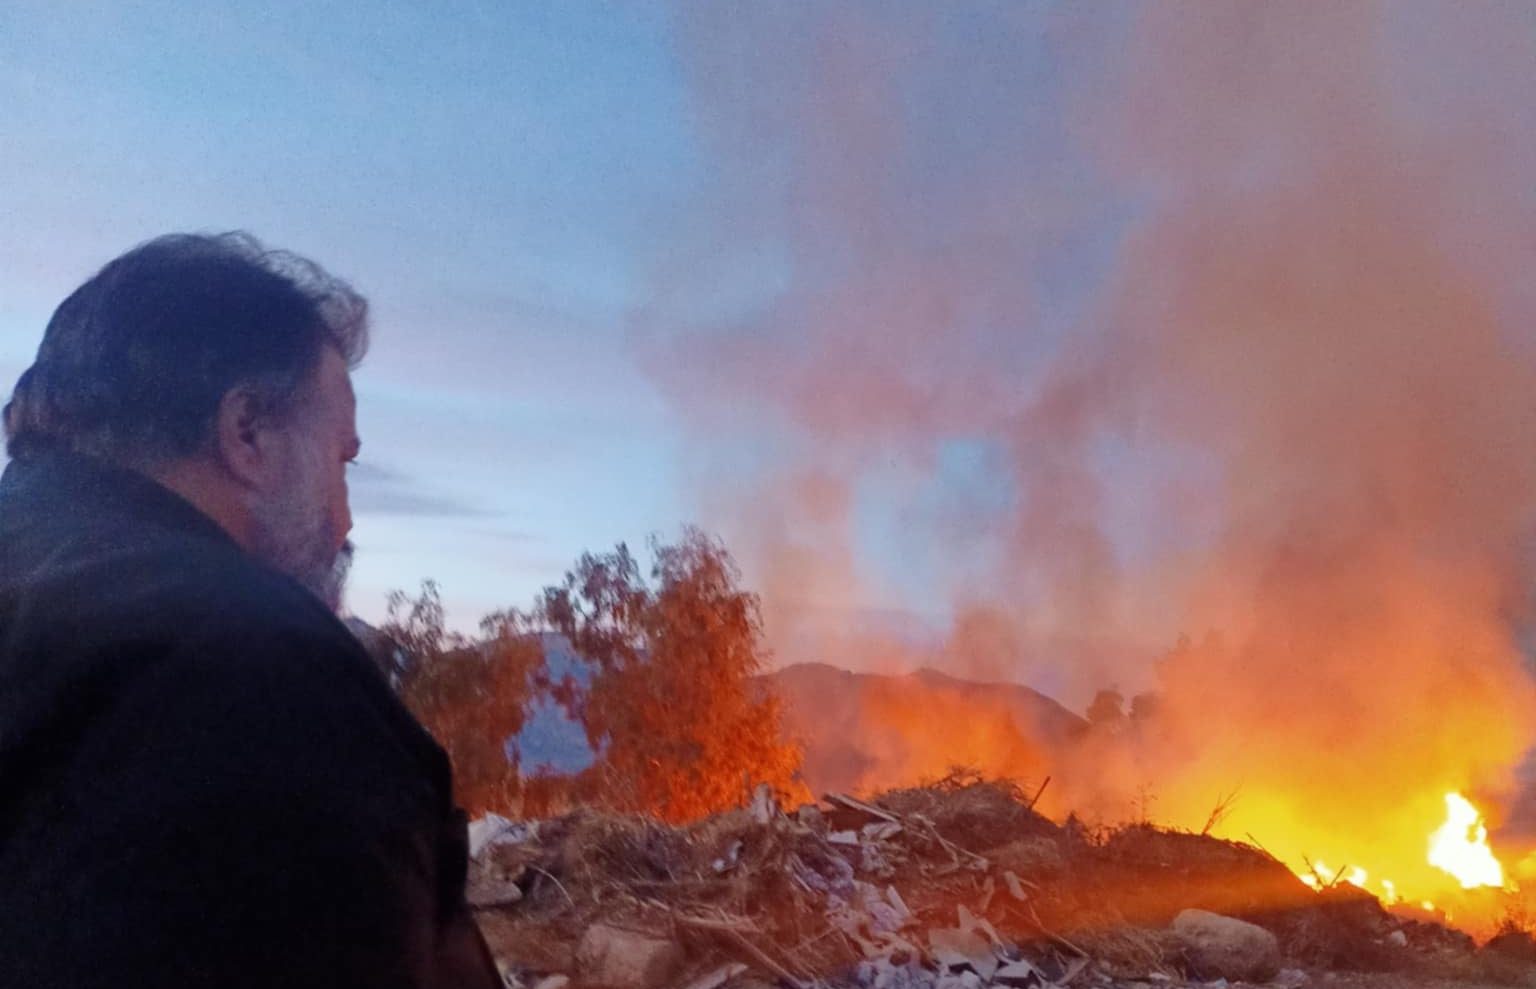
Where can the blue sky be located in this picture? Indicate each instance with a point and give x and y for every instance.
(488, 174)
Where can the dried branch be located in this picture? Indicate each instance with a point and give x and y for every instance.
(843, 800)
(1220, 811)
(733, 928)
(1051, 935)
(558, 885)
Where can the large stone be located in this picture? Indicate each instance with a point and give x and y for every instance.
(1218, 947)
(619, 959)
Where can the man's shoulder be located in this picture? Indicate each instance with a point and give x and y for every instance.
(229, 592)
(193, 586)
(160, 593)
(98, 550)
(232, 611)
(176, 624)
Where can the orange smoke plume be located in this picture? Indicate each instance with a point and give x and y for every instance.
(1232, 306)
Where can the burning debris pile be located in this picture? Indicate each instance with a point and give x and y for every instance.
(955, 885)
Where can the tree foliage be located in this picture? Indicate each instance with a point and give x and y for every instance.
(1107, 710)
(683, 727)
(472, 697)
(671, 704)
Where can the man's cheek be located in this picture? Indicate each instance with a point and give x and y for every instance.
(343, 515)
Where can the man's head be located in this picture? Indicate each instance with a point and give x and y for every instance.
(220, 369)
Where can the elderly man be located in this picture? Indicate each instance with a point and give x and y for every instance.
(204, 781)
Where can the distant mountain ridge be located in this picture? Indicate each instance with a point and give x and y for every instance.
(863, 731)
(859, 731)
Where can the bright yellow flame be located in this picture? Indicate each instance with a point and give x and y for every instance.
(1389, 892)
(1460, 846)
(1321, 875)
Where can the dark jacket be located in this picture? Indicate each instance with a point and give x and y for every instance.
(204, 780)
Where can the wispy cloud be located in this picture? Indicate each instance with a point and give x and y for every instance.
(377, 490)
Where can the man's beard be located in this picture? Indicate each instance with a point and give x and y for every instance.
(293, 534)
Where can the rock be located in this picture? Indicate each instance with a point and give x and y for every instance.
(1020, 974)
(1291, 978)
(1222, 947)
(618, 959)
(1398, 938)
(553, 982)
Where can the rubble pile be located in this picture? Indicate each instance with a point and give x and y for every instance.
(957, 885)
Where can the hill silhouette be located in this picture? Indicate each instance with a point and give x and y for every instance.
(865, 731)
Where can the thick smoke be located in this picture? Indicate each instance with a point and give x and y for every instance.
(1133, 324)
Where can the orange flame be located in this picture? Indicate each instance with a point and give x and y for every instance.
(1460, 846)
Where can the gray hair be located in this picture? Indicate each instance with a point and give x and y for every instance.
(134, 363)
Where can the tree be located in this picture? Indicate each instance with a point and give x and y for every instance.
(682, 726)
(1107, 711)
(472, 697)
(1144, 707)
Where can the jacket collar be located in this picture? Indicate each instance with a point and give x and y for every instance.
(59, 483)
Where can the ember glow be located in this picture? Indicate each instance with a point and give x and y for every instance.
(1460, 847)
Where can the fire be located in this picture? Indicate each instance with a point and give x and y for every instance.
(1321, 876)
(1453, 864)
(1460, 846)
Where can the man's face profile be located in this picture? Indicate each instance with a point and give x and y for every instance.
(303, 518)
(251, 416)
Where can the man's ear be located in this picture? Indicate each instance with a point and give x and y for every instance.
(245, 442)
